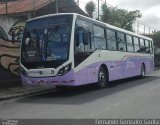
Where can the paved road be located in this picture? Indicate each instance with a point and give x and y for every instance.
(132, 98)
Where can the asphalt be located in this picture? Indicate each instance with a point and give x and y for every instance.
(131, 98)
(15, 92)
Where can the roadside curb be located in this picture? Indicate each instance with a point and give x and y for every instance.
(6, 94)
(156, 69)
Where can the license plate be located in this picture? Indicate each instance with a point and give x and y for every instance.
(42, 84)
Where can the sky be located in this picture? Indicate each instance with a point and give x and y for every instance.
(150, 9)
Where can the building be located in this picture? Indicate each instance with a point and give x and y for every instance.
(26, 9)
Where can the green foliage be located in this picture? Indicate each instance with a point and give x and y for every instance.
(90, 8)
(119, 17)
(156, 39)
(107, 14)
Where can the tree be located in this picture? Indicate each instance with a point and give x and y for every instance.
(106, 14)
(156, 39)
(90, 8)
(120, 17)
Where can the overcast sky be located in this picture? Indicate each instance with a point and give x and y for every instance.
(150, 9)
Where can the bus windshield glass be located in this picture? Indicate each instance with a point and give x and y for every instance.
(46, 43)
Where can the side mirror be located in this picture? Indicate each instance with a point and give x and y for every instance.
(82, 36)
(86, 38)
(77, 39)
(45, 37)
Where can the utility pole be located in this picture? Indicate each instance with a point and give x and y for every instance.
(113, 17)
(149, 30)
(78, 2)
(56, 6)
(144, 29)
(138, 27)
(6, 7)
(98, 9)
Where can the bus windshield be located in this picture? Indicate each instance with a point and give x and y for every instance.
(46, 46)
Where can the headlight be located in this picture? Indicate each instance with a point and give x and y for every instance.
(23, 72)
(64, 70)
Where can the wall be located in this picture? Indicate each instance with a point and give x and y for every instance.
(9, 52)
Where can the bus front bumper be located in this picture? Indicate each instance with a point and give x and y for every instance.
(65, 80)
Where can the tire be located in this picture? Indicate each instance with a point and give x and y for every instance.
(143, 71)
(102, 78)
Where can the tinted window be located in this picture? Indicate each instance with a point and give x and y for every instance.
(98, 32)
(49, 21)
(122, 46)
(100, 43)
(151, 46)
(143, 48)
(136, 44)
(141, 42)
(111, 39)
(130, 47)
(86, 26)
(150, 43)
(120, 37)
(121, 42)
(136, 41)
(147, 46)
(146, 43)
(129, 39)
(99, 37)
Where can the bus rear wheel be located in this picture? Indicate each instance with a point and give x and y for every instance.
(102, 78)
(143, 71)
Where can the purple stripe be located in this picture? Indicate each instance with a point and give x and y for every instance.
(89, 74)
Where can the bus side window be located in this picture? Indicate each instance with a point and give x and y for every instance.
(99, 37)
(147, 46)
(151, 46)
(142, 46)
(80, 38)
(121, 42)
(111, 39)
(136, 44)
(129, 41)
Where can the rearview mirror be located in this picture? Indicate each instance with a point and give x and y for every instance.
(86, 38)
(82, 36)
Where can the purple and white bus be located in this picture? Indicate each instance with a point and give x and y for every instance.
(72, 50)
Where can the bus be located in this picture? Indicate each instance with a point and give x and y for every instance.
(68, 49)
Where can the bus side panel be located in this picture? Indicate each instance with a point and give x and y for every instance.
(130, 67)
(86, 75)
(149, 66)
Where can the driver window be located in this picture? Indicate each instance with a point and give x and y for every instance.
(82, 27)
(79, 39)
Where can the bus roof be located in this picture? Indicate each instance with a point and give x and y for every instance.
(95, 21)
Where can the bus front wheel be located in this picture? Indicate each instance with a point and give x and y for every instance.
(102, 78)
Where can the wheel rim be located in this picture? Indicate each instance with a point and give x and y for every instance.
(102, 78)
